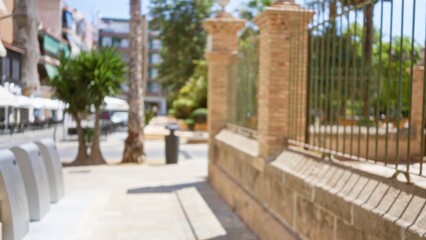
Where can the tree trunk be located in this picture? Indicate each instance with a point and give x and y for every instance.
(26, 37)
(96, 157)
(82, 157)
(134, 150)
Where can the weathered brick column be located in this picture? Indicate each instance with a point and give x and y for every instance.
(277, 23)
(416, 105)
(222, 50)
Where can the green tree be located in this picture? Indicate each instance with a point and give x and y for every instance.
(182, 36)
(253, 8)
(105, 71)
(71, 89)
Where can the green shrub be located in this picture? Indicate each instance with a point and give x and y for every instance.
(200, 115)
(149, 115)
(183, 107)
(171, 112)
(190, 123)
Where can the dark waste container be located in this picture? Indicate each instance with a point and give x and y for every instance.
(172, 144)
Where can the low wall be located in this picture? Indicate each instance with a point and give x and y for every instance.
(295, 196)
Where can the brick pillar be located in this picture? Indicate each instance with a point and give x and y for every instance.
(222, 50)
(416, 105)
(277, 23)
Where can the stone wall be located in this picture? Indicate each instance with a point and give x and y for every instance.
(300, 197)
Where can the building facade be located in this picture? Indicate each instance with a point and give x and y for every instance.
(11, 64)
(115, 33)
(62, 30)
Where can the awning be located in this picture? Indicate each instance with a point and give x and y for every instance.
(116, 104)
(51, 71)
(7, 99)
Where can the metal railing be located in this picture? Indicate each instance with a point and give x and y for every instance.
(242, 84)
(357, 82)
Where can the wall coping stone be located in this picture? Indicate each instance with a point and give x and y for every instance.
(356, 196)
(239, 142)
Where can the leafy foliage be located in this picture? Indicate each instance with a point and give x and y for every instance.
(105, 71)
(183, 107)
(196, 87)
(182, 36)
(253, 8)
(69, 87)
(200, 115)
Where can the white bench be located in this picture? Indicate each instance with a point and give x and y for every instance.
(35, 178)
(14, 204)
(53, 165)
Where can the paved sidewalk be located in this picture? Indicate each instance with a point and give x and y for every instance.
(141, 202)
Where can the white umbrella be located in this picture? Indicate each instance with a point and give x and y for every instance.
(24, 102)
(7, 99)
(116, 104)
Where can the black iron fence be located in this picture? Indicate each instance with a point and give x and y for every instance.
(361, 93)
(242, 84)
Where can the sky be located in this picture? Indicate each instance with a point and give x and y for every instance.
(120, 9)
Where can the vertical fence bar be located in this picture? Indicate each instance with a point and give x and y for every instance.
(360, 81)
(321, 78)
(369, 11)
(290, 97)
(422, 127)
(348, 40)
(314, 77)
(410, 95)
(333, 12)
(296, 82)
(308, 89)
(339, 78)
(354, 78)
(379, 79)
(399, 108)
(389, 87)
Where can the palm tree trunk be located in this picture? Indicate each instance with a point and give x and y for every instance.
(134, 150)
(95, 151)
(82, 156)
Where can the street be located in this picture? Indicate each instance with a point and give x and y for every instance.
(112, 146)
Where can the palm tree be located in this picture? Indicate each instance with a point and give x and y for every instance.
(71, 89)
(134, 149)
(105, 71)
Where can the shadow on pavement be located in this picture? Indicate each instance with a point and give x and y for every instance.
(231, 223)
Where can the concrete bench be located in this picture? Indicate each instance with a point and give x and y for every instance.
(13, 198)
(35, 178)
(53, 165)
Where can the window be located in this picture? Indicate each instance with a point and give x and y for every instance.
(106, 41)
(67, 20)
(153, 73)
(5, 68)
(155, 44)
(154, 87)
(124, 43)
(155, 59)
(16, 69)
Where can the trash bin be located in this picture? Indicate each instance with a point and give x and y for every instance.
(172, 144)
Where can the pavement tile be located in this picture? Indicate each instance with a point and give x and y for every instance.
(126, 202)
